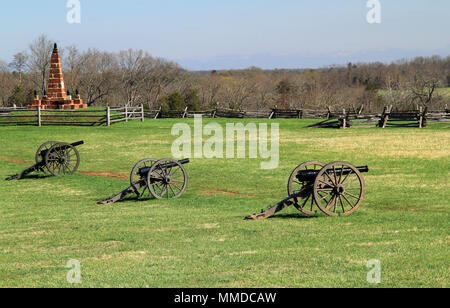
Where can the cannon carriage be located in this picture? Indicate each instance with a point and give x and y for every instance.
(161, 179)
(53, 158)
(336, 189)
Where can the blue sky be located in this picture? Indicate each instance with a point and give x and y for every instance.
(202, 34)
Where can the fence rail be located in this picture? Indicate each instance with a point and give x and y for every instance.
(330, 119)
(85, 117)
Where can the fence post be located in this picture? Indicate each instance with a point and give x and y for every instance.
(142, 113)
(108, 116)
(39, 116)
(424, 118)
(126, 113)
(344, 120)
(420, 114)
(361, 110)
(158, 112)
(385, 117)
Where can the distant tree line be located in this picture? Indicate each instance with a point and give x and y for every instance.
(135, 77)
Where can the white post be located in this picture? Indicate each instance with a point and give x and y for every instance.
(142, 113)
(39, 116)
(108, 116)
(344, 120)
(126, 113)
(420, 116)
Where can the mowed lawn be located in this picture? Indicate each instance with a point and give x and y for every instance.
(201, 239)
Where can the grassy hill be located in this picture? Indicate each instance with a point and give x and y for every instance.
(201, 240)
(444, 92)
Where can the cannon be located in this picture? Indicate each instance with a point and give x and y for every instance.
(164, 178)
(53, 158)
(336, 189)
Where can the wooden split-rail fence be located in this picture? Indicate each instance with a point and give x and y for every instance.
(80, 117)
(388, 118)
(330, 119)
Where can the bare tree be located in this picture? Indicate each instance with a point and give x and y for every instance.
(236, 92)
(39, 60)
(286, 90)
(19, 64)
(160, 76)
(209, 88)
(423, 88)
(73, 63)
(264, 91)
(133, 65)
(97, 75)
(6, 84)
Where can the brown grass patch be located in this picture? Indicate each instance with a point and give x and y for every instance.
(107, 174)
(370, 244)
(14, 160)
(389, 143)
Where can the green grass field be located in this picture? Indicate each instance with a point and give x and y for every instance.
(444, 92)
(201, 240)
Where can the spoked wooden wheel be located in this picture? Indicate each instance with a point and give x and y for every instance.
(167, 179)
(139, 174)
(305, 204)
(44, 148)
(339, 189)
(62, 159)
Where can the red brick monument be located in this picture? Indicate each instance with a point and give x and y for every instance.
(56, 96)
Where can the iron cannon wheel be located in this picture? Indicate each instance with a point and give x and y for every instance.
(44, 147)
(167, 182)
(336, 193)
(306, 205)
(62, 159)
(135, 177)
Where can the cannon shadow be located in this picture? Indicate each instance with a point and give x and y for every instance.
(293, 216)
(34, 177)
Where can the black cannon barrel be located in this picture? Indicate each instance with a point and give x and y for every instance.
(144, 171)
(310, 175)
(75, 144)
(62, 147)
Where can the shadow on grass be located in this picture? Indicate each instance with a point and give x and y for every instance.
(129, 200)
(32, 177)
(290, 216)
(293, 216)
